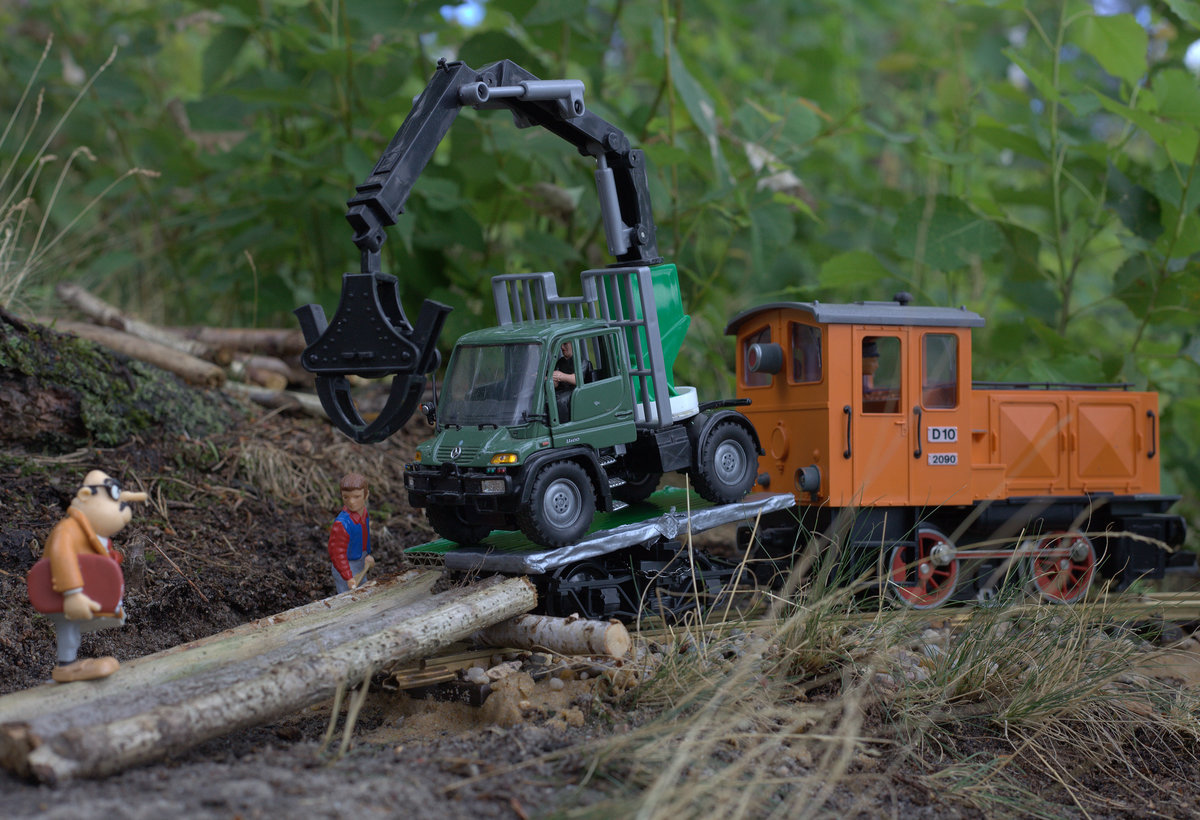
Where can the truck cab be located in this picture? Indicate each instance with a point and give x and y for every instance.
(566, 408)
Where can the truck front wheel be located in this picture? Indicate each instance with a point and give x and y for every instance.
(449, 523)
(727, 464)
(561, 505)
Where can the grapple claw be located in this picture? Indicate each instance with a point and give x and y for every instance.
(369, 336)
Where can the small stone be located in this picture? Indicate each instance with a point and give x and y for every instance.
(476, 675)
(556, 684)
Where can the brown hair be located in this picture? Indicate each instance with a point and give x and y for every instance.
(353, 481)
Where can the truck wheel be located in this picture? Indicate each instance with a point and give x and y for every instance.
(561, 505)
(637, 487)
(727, 466)
(449, 523)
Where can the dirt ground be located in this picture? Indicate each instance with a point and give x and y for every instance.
(235, 530)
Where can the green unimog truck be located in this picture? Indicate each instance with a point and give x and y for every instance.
(518, 448)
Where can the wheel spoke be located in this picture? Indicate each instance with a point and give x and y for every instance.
(1065, 578)
(924, 575)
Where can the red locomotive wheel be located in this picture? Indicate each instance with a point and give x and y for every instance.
(923, 576)
(1061, 566)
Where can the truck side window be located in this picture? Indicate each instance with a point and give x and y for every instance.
(595, 358)
(806, 353)
(881, 369)
(939, 375)
(749, 377)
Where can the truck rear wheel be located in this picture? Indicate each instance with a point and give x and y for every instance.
(561, 505)
(727, 464)
(449, 523)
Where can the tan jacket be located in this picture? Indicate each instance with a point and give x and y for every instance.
(71, 537)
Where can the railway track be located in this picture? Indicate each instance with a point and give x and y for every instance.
(1174, 607)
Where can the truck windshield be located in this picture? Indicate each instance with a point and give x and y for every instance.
(491, 384)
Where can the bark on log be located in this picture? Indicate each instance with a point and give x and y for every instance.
(102, 313)
(189, 368)
(564, 636)
(265, 341)
(265, 371)
(278, 399)
(177, 699)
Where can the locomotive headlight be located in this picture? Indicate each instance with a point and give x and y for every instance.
(504, 458)
(492, 486)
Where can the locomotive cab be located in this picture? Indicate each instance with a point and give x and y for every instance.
(860, 405)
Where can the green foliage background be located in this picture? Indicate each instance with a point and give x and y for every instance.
(1032, 160)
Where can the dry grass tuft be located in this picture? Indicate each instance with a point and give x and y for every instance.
(26, 235)
(825, 709)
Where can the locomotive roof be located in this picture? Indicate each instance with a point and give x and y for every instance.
(868, 313)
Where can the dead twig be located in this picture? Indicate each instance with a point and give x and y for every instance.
(177, 569)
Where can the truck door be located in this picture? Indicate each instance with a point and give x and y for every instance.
(598, 409)
(877, 423)
(939, 462)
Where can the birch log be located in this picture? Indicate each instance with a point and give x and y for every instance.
(189, 368)
(252, 675)
(102, 313)
(565, 636)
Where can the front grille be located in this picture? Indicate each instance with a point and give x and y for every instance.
(443, 452)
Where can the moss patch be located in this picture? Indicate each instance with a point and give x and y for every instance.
(60, 392)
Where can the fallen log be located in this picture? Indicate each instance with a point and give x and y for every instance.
(266, 341)
(563, 636)
(291, 400)
(264, 371)
(176, 699)
(106, 315)
(190, 368)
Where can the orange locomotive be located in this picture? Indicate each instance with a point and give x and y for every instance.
(867, 412)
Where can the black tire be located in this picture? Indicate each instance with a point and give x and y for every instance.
(637, 487)
(561, 505)
(449, 524)
(727, 466)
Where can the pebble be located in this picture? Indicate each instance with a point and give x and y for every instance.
(476, 675)
(556, 684)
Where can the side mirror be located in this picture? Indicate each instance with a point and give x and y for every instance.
(430, 411)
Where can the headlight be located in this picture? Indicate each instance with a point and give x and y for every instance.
(492, 486)
(504, 458)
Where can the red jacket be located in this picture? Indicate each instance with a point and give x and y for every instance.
(341, 550)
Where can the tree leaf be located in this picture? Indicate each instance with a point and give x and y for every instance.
(1138, 209)
(1177, 95)
(1117, 42)
(700, 108)
(222, 50)
(953, 234)
(1188, 11)
(859, 269)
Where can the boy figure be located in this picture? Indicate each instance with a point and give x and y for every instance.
(99, 510)
(350, 535)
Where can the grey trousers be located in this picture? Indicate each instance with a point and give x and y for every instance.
(355, 568)
(69, 633)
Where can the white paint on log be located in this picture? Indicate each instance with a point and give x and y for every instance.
(566, 636)
(184, 696)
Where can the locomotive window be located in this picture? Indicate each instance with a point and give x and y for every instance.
(806, 353)
(749, 377)
(939, 379)
(881, 368)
